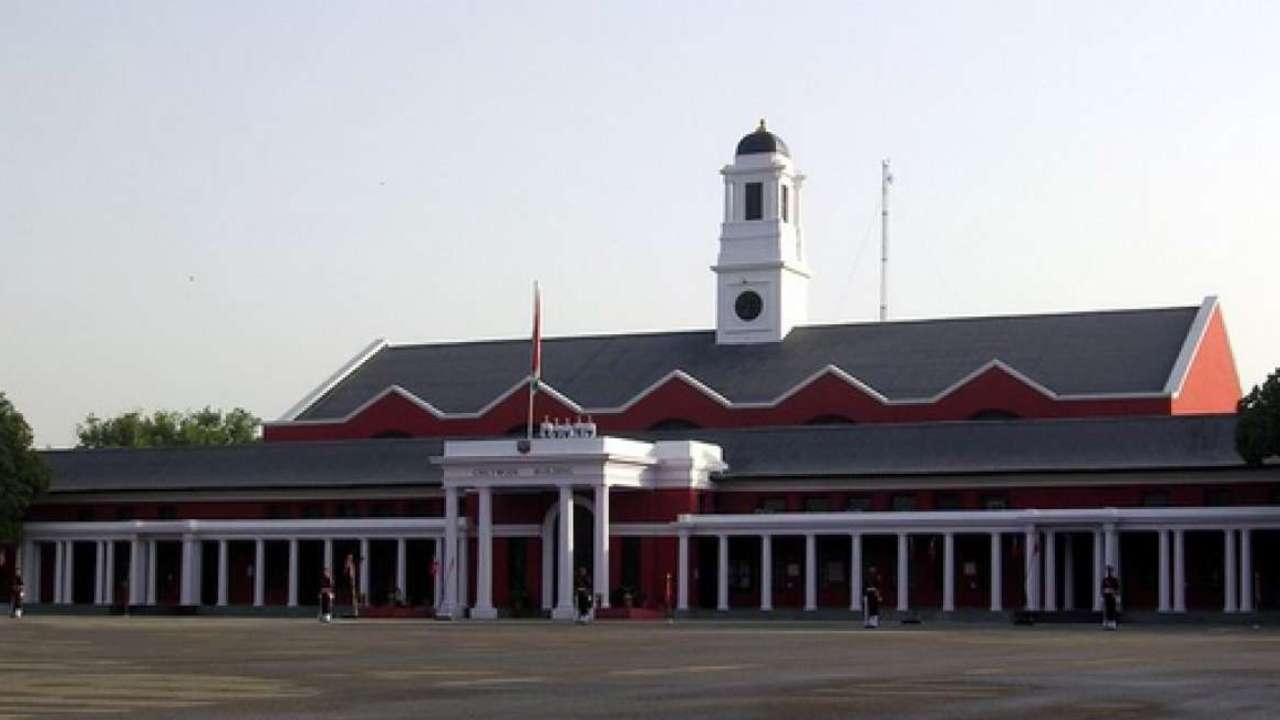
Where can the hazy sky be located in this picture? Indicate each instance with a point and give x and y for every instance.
(220, 203)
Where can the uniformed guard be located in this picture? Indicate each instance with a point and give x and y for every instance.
(1110, 598)
(583, 591)
(871, 601)
(17, 593)
(326, 596)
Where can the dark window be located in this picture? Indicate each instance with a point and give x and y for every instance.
(277, 511)
(1155, 498)
(902, 503)
(748, 305)
(390, 434)
(829, 420)
(995, 502)
(817, 504)
(772, 505)
(785, 204)
(947, 501)
(754, 209)
(417, 508)
(858, 503)
(1275, 496)
(124, 512)
(1217, 496)
(673, 424)
(167, 512)
(994, 414)
(346, 510)
(383, 510)
(312, 511)
(84, 514)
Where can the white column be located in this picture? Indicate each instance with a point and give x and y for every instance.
(997, 572)
(722, 574)
(464, 569)
(728, 199)
(136, 590)
(1069, 572)
(810, 572)
(449, 570)
(1229, 575)
(564, 595)
(1050, 571)
(99, 566)
(293, 572)
(29, 562)
(1179, 572)
(855, 572)
(153, 550)
(222, 573)
(1099, 555)
(1246, 570)
(484, 609)
(402, 568)
(548, 573)
(259, 572)
(903, 566)
(948, 572)
(766, 572)
(109, 548)
(1112, 555)
(64, 571)
(1030, 566)
(363, 571)
(682, 571)
(1162, 557)
(60, 573)
(437, 584)
(600, 559)
(187, 577)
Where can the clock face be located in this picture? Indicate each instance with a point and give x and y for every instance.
(748, 305)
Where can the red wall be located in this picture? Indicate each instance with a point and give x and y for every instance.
(1212, 385)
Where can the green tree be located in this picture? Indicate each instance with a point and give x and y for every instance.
(1258, 427)
(23, 475)
(168, 428)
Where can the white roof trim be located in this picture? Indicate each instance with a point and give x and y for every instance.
(725, 402)
(324, 387)
(1190, 347)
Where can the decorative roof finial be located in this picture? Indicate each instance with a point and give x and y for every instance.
(762, 127)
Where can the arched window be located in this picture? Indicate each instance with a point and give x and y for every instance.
(830, 420)
(391, 434)
(674, 424)
(994, 414)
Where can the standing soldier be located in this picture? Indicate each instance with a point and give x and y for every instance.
(584, 596)
(1110, 597)
(17, 592)
(349, 568)
(326, 595)
(871, 600)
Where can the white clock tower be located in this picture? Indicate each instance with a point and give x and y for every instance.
(762, 281)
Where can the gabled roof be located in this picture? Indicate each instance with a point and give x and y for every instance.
(876, 450)
(1131, 353)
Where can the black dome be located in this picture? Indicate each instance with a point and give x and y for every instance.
(762, 141)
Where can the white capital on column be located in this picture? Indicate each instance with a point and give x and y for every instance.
(600, 581)
(1179, 572)
(997, 574)
(564, 605)
(1229, 577)
(293, 572)
(222, 572)
(1162, 557)
(722, 573)
(1050, 570)
(484, 609)
(855, 572)
(766, 572)
(948, 572)
(682, 571)
(259, 572)
(903, 568)
(810, 572)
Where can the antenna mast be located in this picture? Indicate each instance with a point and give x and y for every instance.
(886, 179)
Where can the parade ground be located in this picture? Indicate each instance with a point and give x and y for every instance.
(84, 667)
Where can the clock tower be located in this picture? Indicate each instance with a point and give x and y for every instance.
(762, 281)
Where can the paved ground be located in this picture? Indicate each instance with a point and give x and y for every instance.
(84, 667)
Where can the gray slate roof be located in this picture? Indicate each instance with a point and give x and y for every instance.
(1103, 444)
(1131, 351)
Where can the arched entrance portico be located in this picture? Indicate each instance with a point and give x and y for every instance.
(583, 547)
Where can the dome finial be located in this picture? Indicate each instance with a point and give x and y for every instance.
(762, 128)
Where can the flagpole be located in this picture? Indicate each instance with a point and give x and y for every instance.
(535, 356)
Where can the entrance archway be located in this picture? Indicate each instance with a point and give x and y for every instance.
(583, 547)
